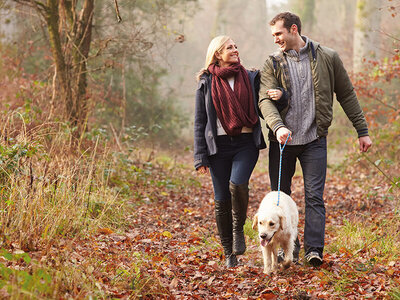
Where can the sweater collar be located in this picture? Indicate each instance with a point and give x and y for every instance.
(279, 55)
(303, 51)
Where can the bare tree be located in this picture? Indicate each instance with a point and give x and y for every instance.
(69, 27)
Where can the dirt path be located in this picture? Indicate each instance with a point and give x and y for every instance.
(184, 257)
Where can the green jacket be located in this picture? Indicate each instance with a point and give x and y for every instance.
(329, 76)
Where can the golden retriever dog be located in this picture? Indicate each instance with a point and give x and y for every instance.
(277, 227)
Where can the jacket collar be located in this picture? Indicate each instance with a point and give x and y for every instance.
(252, 74)
(313, 45)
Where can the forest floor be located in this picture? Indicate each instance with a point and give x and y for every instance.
(179, 233)
(172, 251)
(174, 248)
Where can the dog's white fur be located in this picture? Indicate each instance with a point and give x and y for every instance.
(277, 226)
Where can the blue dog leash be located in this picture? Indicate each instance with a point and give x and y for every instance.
(280, 166)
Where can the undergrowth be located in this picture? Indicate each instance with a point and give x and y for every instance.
(55, 186)
(379, 241)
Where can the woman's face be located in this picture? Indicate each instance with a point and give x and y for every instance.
(228, 55)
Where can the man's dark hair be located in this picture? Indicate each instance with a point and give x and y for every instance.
(288, 20)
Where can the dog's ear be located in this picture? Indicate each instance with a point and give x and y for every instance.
(282, 222)
(255, 221)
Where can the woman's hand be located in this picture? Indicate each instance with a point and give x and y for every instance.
(202, 170)
(275, 94)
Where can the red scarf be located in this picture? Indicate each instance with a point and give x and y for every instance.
(235, 108)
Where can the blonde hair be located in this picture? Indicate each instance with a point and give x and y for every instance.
(215, 45)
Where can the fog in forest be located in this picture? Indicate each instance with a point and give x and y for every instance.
(146, 64)
(331, 23)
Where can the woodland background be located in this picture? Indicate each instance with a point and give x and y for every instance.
(98, 194)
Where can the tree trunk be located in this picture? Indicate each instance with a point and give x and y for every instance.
(52, 21)
(366, 35)
(80, 53)
(70, 36)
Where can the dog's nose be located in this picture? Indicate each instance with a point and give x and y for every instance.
(263, 236)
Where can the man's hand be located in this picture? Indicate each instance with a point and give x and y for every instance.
(282, 134)
(275, 94)
(365, 143)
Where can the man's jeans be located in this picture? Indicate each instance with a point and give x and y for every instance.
(313, 161)
(234, 161)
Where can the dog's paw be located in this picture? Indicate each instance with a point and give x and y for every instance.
(286, 264)
(268, 271)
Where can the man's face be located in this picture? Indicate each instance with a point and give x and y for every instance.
(282, 37)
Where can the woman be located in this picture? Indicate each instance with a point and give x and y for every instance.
(227, 138)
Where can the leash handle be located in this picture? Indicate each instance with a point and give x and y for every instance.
(280, 166)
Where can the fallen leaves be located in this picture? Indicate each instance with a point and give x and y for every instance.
(105, 231)
(183, 254)
(171, 250)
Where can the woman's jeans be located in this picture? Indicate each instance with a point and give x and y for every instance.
(313, 161)
(234, 161)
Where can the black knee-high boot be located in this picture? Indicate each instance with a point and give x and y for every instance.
(240, 201)
(223, 216)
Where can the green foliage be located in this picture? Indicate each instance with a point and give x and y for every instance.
(395, 294)
(32, 280)
(363, 247)
(147, 108)
(133, 177)
(143, 283)
(12, 155)
(380, 240)
(148, 114)
(250, 232)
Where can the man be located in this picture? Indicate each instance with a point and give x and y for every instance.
(296, 96)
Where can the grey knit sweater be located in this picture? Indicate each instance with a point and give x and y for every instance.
(300, 118)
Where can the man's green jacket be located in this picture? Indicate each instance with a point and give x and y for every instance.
(329, 76)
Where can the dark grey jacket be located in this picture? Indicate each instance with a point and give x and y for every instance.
(205, 120)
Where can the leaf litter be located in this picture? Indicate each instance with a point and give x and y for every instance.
(172, 251)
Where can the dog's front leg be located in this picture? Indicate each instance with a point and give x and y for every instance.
(274, 257)
(267, 260)
(288, 248)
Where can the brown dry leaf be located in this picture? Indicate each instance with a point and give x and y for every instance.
(390, 272)
(210, 280)
(168, 272)
(282, 281)
(174, 283)
(269, 295)
(118, 238)
(105, 231)
(214, 265)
